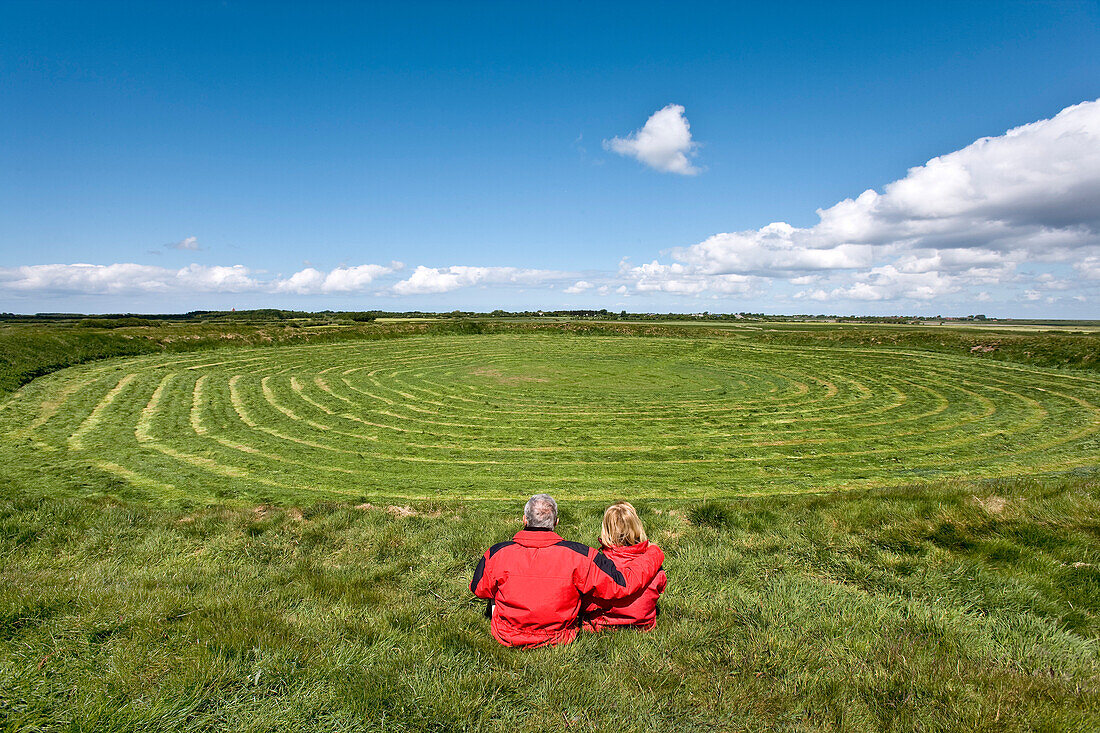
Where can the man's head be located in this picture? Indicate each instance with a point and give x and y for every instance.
(541, 512)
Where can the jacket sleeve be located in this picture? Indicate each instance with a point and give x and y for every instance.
(482, 584)
(603, 579)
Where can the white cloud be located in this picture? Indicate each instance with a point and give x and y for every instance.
(769, 251)
(312, 281)
(444, 279)
(125, 277)
(84, 278)
(685, 280)
(664, 143)
(130, 278)
(216, 278)
(578, 287)
(1089, 268)
(189, 243)
(890, 283)
(963, 220)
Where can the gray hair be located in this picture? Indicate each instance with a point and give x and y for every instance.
(541, 511)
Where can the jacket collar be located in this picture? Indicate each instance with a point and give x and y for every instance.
(638, 549)
(536, 537)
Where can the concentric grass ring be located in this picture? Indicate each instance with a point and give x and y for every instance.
(498, 416)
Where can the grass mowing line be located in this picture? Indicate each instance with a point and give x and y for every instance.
(246, 418)
(76, 440)
(143, 430)
(406, 395)
(758, 427)
(266, 388)
(984, 366)
(236, 472)
(238, 403)
(368, 394)
(145, 435)
(207, 464)
(162, 489)
(299, 388)
(1091, 429)
(554, 448)
(561, 414)
(410, 418)
(252, 451)
(196, 405)
(271, 398)
(324, 387)
(50, 407)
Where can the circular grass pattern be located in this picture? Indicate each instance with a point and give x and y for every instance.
(584, 417)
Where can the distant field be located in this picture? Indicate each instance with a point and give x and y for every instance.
(493, 416)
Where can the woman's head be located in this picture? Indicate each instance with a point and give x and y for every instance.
(621, 526)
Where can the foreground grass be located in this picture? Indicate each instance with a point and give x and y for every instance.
(955, 607)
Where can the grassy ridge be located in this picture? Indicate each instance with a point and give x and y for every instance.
(960, 607)
(1038, 348)
(31, 350)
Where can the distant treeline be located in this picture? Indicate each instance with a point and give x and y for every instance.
(269, 315)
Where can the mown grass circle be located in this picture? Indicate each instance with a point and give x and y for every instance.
(495, 416)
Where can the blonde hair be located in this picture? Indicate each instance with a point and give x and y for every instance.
(621, 526)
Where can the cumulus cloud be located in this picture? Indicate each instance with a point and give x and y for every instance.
(1089, 267)
(578, 287)
(189, 243)
(1035, 188)
(130, 278)
(664, 143)
(966, 219)
(426, 280)
(685, 280)
(890, 283)
(772, 251)
(85, 278)
(312, 281)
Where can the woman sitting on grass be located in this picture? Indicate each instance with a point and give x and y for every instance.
(623, 539)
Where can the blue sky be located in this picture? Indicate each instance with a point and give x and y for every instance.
(441, 155)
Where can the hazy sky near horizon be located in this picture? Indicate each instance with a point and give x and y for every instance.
(850, 158)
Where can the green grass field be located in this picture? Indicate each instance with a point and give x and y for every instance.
(495, 416)
(860, 535)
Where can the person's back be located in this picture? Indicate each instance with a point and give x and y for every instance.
(537, 579)
(624, 541)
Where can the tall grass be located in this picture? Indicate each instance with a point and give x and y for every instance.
(961, 607)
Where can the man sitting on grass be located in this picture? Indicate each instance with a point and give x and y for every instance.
(535, 580)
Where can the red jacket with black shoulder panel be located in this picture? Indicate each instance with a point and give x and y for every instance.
(639, 609)
(537, 579)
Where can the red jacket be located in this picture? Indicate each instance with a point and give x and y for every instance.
(537, 580)
(638, 609)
